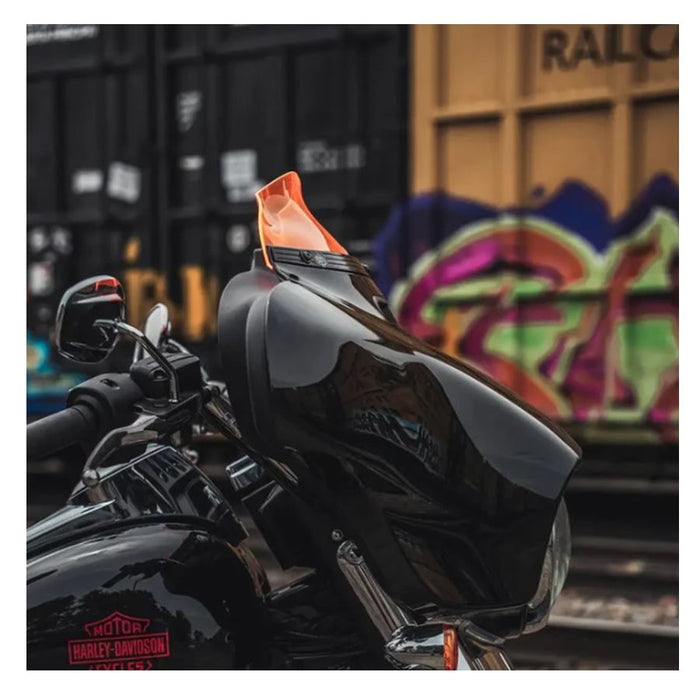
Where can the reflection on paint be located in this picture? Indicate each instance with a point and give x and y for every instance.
(574, 311)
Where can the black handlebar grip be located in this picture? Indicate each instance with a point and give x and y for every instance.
(60, 430)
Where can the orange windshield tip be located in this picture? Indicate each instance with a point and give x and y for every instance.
(450, 648)
(284, 219)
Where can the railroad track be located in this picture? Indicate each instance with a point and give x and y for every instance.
(651, 563)
(618, 610)
(576, 643)
(598, 646)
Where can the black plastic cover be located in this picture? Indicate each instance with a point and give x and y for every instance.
(154, 382)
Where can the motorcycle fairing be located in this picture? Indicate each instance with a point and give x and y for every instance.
(447, 481)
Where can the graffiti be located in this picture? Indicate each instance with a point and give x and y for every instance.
(575, 312)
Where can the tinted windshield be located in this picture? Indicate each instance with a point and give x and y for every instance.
(284, 219)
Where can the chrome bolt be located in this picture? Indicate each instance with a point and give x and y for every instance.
(91, 477)
(337, 535)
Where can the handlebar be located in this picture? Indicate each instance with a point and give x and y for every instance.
(60, 430)
(110, 401)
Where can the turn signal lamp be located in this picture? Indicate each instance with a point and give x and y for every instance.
(451, 648)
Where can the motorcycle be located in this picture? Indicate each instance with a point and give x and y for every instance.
(425, 500)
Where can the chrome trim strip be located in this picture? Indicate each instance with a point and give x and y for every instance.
(244, 472)
(417, 648)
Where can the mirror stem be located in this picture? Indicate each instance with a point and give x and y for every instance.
(150, 348)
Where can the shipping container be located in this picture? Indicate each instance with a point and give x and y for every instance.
(89, 175)
(88, 157)
(146, 145)
(541, 242)
(243, 104)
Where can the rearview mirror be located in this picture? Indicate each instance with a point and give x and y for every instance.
(156, 328)
(77, 337)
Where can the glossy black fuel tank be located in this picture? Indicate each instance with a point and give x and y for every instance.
(448, 483)
(148, 571)
(149, 595)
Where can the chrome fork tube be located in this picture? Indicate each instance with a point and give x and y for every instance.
(386, 615)
(407, 644)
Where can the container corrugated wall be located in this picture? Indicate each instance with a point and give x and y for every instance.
(146, 145)
(497, 111)
(242, 105)
(542, 243)
(88, 157)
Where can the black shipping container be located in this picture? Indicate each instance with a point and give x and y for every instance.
(146, 145)
(89, 157)
(246, 104)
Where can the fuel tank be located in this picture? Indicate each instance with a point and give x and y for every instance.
(448, 482)
(151, 574)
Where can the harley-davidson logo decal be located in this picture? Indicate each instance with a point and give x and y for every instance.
(119, 642)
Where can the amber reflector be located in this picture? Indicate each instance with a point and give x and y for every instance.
(451, 648)
(284, 219)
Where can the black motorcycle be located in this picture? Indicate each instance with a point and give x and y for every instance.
(425, 499)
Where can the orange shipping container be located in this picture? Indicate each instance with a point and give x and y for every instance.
(551, 258)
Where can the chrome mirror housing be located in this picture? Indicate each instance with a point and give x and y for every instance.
(95, 299)
(156, 328)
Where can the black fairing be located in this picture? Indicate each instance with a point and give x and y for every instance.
(448, 483)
